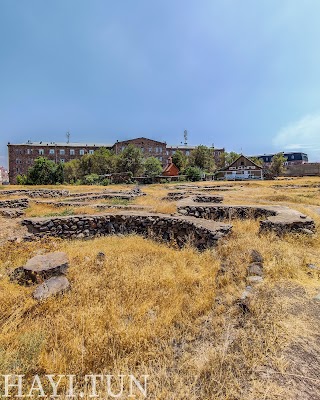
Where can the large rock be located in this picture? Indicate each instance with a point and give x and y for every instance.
(50, 287)
(47, 265)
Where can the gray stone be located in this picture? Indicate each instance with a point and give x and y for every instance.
(256, 256)
(47, 265)
(314, 267)
(253, 280)
(247, 293)
(255, 269)
(50, 287)
(317, 297)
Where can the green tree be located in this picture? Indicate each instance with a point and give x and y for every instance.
(152, 167)
(203, 158)
(193, 173)
(44, 172)
(130, 160)
(256, 160)
(91, 179)
(103, 161)
(277, 164)
(179, 160)
(231, 157)
(59, 173)
(72, 171)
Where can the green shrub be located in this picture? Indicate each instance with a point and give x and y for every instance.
(193, 174)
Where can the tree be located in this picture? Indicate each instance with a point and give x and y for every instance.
(45, 172)
(152, 167)
(193, 173)
(179, 160)
(203, 158)
(130, 160)
(256, 160)
(91, 179)
(231, 157)
(103, 161)
(277, 164)
(72, 171)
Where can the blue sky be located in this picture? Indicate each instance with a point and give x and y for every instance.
(243, 74)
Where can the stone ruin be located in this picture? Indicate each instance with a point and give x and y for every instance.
(279, 219)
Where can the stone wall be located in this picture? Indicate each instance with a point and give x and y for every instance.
(181, 230)
(278, 218)
(15, 203)
(36, 193)
(89, 197)
(225, 212)
(207, 199)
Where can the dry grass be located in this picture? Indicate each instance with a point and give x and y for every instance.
(151, 309)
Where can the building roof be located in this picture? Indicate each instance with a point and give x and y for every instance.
(62, 144)
(247, 158)
(283, 152)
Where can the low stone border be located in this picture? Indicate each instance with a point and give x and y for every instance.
(207, 199)
(88, 197)
(100, 206)
(280, 219)
(15, 203)
(36, 193)
(201, 234)
(11, 212)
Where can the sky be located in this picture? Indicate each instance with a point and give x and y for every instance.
(239, 74)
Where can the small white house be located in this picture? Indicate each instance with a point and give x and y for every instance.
(241, 169)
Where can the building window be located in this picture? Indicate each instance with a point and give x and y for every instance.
(167, 152)
(72, 152)
(41, 152)
(81, 152)
(187, 152)
(160, 158)
(62, 152)
(28, 151)
(51, 151)
(91, 151)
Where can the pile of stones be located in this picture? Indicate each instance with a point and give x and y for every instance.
(254, 278)
(47, 271)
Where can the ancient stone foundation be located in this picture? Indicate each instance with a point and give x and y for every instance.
(15, 203)
(278, 218)
(36, 192)
(180, 230)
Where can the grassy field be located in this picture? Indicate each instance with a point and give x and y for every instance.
(173, 314)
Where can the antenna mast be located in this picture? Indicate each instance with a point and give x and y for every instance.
(185, 135)
(68, 137)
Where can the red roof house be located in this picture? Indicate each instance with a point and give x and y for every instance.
(170, 169)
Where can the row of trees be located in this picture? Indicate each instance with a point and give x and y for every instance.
(91, 168)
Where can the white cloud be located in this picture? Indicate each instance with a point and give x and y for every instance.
(302, 135)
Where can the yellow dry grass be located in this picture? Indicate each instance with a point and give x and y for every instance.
(171, 314)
